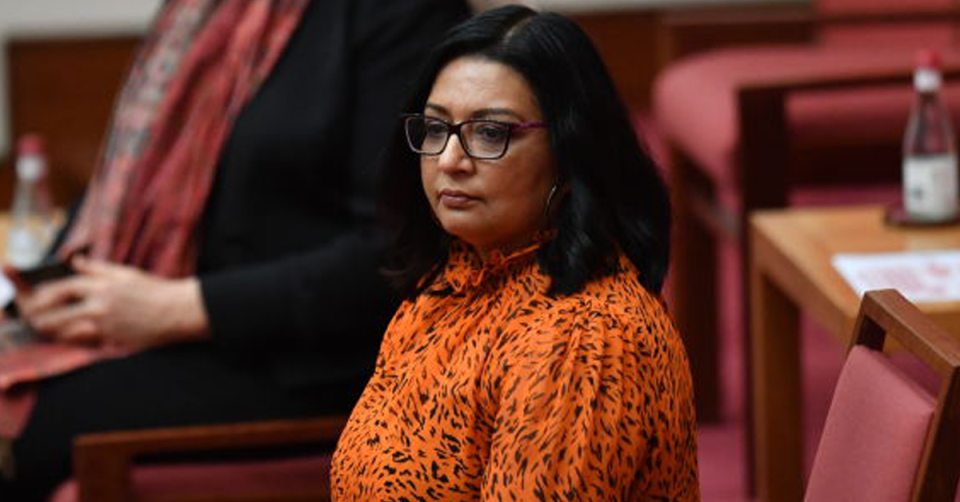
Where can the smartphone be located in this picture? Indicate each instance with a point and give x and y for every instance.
(47, 271)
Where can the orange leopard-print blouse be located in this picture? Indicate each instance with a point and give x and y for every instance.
(488, 389)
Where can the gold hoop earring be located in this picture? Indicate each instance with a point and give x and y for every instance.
(546, 209)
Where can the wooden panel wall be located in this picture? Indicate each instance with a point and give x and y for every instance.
(636, 45)
(64, 88)
(629, 45)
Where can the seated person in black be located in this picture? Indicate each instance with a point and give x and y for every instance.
(268, 302)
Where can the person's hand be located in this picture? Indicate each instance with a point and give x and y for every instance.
(115, 304)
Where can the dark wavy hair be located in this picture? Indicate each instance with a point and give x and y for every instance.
(614, 197)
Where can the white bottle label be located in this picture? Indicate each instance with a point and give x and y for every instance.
(24, 248)
(930, 187)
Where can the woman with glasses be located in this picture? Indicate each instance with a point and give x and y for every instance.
(532, 358)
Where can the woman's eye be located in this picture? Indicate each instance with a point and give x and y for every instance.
(436, 129)
(491, 133)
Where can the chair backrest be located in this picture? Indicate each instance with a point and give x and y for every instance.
(886, 438)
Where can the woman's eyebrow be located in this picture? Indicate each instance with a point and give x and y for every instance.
(487, 112)
(476, 114)
(436, 108)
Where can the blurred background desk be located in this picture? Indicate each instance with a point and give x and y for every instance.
(792, 270)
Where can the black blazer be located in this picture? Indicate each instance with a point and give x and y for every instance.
(289, 259)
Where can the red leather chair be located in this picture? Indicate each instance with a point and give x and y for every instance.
(747, 126)
(886, 438)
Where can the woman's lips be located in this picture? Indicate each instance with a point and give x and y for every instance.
(455, 199)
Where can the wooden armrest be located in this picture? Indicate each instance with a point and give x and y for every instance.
(103, 461)
(887, 314)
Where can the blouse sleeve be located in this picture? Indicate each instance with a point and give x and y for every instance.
(591, 409)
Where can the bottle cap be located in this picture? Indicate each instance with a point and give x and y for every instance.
(928, 58)
(31, 163)
(30, 144)
(926, 77)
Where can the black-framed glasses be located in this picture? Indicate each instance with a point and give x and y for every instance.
(482, 139)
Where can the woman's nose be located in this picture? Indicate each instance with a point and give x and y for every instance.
(454, 157)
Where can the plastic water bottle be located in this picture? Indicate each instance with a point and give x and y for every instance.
(31, 226)
(929, 149)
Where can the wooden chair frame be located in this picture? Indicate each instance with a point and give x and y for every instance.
(104, 462)
(886, 314)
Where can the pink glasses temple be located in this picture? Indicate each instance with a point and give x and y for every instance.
(529, 125)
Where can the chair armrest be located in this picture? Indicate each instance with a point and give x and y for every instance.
(103, 462)
(886, 313)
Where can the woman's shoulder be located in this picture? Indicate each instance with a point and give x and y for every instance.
(614, 309)
(619, 297)
(613, 323)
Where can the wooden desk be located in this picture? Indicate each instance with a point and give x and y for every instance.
(4, 229)
(791, 270)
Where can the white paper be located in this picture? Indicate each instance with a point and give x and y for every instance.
(921, 276)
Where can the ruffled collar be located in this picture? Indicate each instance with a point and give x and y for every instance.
(466, 270)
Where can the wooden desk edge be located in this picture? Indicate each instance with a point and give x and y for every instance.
(835, 310)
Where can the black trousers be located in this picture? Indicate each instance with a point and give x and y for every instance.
(182, 385)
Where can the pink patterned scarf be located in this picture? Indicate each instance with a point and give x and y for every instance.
(202, 62)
